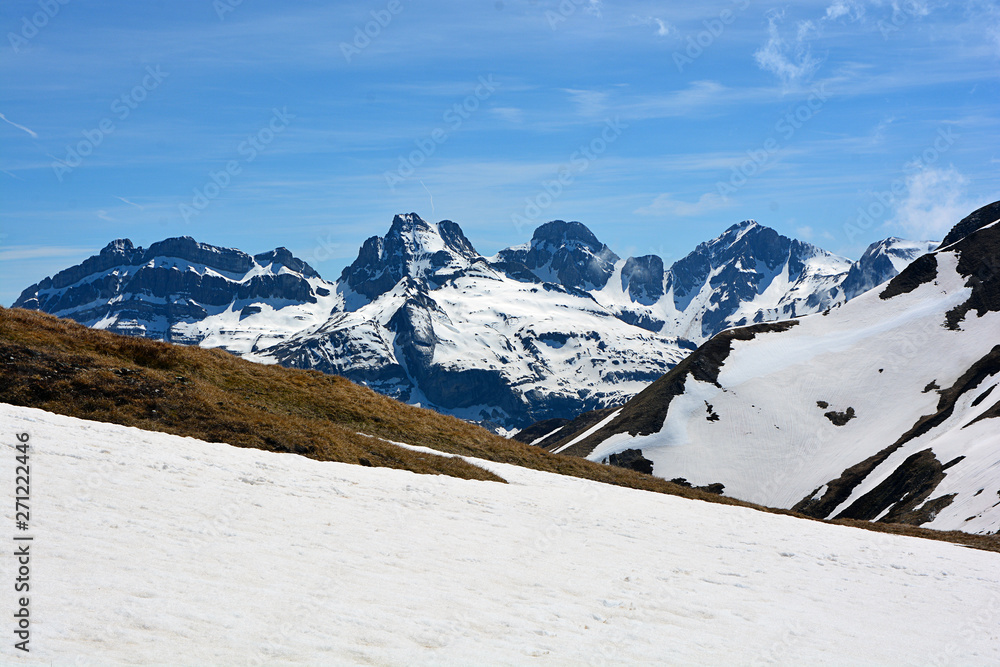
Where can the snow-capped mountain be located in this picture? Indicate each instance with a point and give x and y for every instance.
(882, 409)
(548, 329)
(748, 274)
(183, 291)
(429, 321)
(881, 261)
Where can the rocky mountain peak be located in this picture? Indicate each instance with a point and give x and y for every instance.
(284, 257)
(739, 266)
(970, 223)
(881, 261)
(122, 247)
(186, 248)
(411, 248)
(567, 253)
(560, 233)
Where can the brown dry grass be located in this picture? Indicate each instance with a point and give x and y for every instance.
(63, 367)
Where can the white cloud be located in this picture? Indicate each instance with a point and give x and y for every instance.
(41, 252)
(791, 61)
(509, 114)
(20, 127)
(138, 206)
(852, 9)
(665, 204)
(878, 134)
(588, 102)
(934, 202)
(805, 232)
(663, 28)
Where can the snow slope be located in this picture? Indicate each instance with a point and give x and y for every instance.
(154, 549)
(909, 381)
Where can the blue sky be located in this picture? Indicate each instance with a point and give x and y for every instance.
(255, 124)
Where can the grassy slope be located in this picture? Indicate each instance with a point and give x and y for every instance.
(66, 368)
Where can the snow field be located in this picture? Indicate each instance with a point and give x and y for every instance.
(156, 549)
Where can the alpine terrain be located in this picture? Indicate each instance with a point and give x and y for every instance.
(883, 409)
(544, 330)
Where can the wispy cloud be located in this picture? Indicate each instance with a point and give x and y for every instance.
(665, 204)
(935, 200)
(40, 252)
(141, 208)
(33, 134)
(790, 60)
(509, 114)
(588, 102)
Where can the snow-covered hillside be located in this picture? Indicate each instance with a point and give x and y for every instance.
(154, 549)
(881, 409)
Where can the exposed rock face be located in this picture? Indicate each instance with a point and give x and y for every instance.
(567, 253)
(412, 248)
(738, 267)
(642, 278)
(633, 460)
(976, 220)
(882, 261)
(177, 282)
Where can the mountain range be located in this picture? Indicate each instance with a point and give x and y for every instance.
(883, 409)
(552, 328)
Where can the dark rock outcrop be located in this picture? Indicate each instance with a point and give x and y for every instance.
(922, 270)
(642, 278)
(632, 459)
(568, 252)
(972, 222)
